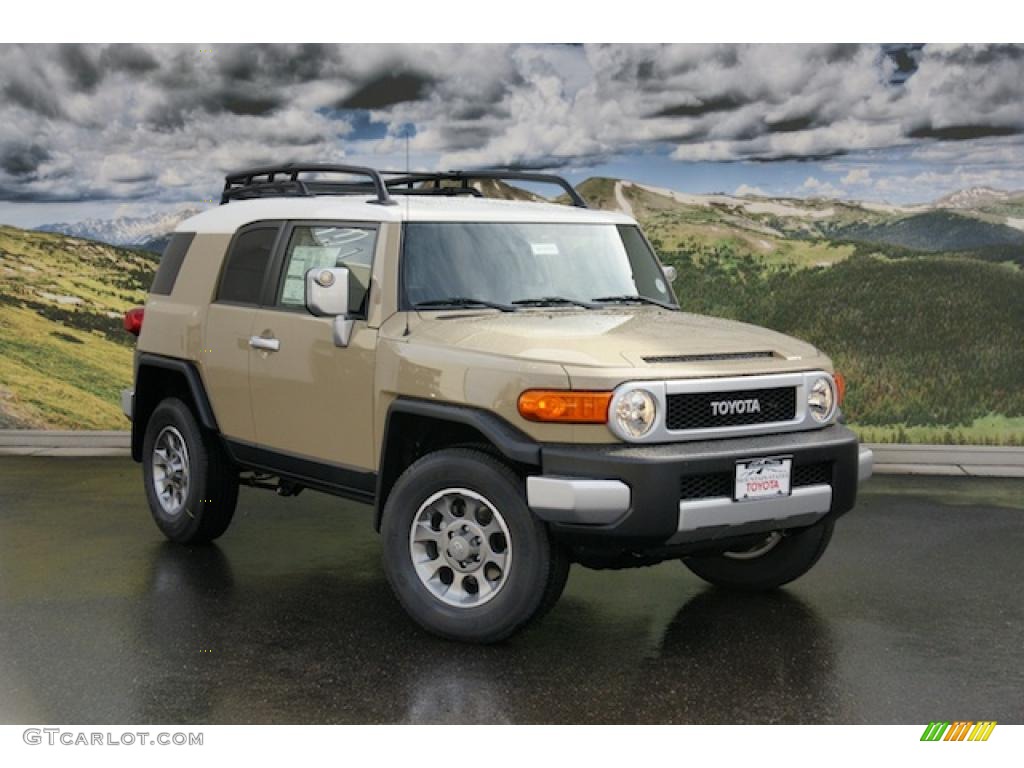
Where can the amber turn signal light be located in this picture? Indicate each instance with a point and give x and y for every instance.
(840, 387)
(564, 406)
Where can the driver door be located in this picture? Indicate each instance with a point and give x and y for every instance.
(312, 401)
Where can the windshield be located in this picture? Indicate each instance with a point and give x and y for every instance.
(509, 265)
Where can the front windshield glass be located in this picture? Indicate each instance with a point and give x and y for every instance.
(511, 265)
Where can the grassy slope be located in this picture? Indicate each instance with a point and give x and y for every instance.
(63, 354)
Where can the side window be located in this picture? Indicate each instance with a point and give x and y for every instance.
(328, 246)
(170, 263)
(242, 281)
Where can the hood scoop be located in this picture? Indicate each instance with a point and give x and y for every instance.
(707, 358)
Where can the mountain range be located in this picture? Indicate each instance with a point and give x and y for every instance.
(986, 221)
(149, 233)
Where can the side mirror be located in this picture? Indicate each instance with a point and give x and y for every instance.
(327, 291)
(670, 273)
(327, 296)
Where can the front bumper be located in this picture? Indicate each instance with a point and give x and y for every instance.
(634, 493)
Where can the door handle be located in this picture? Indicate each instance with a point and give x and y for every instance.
(261, 342)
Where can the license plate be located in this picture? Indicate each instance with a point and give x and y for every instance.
(763, 478)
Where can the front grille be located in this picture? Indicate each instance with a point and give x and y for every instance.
(696, 410)
(812, 474)
(707, 358)
(706, 486)
(722, 484)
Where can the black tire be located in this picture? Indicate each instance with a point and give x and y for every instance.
(558, 575)
(529, 581)
(791, 557)
(209, 503)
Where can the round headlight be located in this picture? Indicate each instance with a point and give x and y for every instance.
(635, 412)
(821, 399)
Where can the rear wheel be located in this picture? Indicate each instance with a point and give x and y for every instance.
(462, 551)
(191, 484)
(778, 559)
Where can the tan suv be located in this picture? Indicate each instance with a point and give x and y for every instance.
(509, 384)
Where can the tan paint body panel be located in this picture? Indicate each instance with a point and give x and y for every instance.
(225, 364)
(589, 349)
(311, 398)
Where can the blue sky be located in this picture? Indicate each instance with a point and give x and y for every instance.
(100, 131)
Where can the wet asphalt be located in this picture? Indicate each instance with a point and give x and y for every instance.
(914, 614)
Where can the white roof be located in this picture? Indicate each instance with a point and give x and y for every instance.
(225, 219)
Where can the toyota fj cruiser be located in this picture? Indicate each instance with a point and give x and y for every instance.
(510, 385)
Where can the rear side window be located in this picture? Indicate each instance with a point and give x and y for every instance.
(170, 263)
(246, 266)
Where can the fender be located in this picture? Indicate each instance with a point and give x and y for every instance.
(512, 443)
(143, 399)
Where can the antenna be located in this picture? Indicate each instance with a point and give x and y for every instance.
(407, 171)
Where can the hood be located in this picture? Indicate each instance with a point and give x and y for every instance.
(615, 337)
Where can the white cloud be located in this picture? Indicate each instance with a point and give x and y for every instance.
(745, 189)
(166, 121)
(856, 176)
(815, 187)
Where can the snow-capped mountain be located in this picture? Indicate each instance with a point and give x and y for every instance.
(149, 232)
(971, 197)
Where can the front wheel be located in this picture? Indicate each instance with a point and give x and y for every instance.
(778, 559)
(462, 551)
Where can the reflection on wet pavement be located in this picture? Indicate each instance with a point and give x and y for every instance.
(913, 613)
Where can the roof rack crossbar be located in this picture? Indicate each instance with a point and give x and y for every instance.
(465, 178)
(248, 184)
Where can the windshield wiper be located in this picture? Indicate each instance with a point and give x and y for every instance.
(460, 302)
(631, 299)
(551, 301)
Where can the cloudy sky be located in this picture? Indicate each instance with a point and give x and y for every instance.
(99, 130)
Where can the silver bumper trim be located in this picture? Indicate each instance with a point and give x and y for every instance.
(577, 500)
(711, 518)
(128, 402)
(865, 464)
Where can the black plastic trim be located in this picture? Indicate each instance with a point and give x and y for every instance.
(510, 442)
(506, 439)
(195, 385)
(336, 479)
(654, 472)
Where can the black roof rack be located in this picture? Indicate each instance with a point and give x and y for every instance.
(265, 182)
(465, 178)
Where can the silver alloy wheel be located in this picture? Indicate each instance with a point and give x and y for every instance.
(460, 547)
(171, 471)
(766, 546)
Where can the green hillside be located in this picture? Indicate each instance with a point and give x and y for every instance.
(936, 231)
(64, 356)
(921, 341)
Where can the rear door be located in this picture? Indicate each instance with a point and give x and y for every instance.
(229, 321)
(313, 401)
